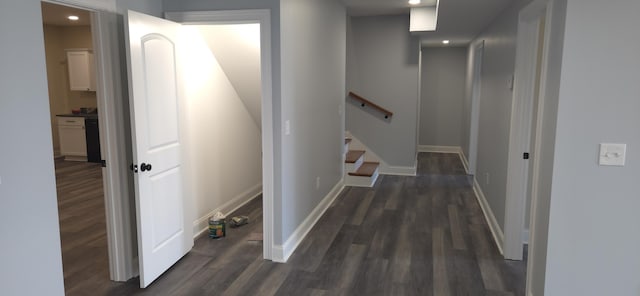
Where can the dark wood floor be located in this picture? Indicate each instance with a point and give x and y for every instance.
(422, 235)
(82, 226)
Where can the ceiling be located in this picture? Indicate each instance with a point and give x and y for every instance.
(459, 21)
(56, 15)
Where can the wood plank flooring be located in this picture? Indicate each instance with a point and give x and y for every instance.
(423, 235)
(82, 226)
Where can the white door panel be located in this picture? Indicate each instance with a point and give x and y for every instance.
(164, 233)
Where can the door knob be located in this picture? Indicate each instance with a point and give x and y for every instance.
(145, 167)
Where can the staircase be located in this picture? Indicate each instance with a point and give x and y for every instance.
(360, 173)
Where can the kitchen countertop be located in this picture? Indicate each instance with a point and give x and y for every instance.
(90, 116)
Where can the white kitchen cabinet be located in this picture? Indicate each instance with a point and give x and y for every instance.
(81, 69)
(73, 141)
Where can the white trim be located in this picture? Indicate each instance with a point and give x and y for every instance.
(262, 16)
(103, 5)
(520, 133)
(114, 148)
(494, 226)
(201, 225)
(525, 236)
(439, 149)
(554, 13)
(282, 252)
(476, 95)
(398, 171)
(465, 162)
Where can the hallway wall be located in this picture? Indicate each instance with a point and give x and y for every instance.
(593, 225)
(498, 66)
(382, 66)
(442, 96)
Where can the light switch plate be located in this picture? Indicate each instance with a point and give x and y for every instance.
(612, 154)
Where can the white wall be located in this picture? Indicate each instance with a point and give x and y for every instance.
(313, 83)
(237, 49)
(274, 7)
(442, 96)
(28, 208)
(383, 67)
(594, 236)
(223, 144)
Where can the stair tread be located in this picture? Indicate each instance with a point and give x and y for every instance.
(347, 140)
(366, 169)
(353, 156)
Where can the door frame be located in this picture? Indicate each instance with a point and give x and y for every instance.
(263, 17)
(476, 94)
(114, 139)
(518, 177)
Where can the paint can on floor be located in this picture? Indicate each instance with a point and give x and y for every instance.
(217, 226)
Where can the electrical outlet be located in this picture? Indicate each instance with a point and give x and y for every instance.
(317, 183)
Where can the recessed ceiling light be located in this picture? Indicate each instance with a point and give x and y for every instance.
(414, 2)
(445, 41)
(73, 17)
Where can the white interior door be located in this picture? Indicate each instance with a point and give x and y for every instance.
(164, 233)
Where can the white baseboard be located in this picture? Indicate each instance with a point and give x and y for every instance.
(439, 149)
(398, 171)
(201, 225)
(465, 162)
(496, 230)
(281, 253)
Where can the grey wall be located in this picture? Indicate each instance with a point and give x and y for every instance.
(28, 207)
(383, 67)
(495, 106)
(593, 226)
(442, 96)
(28, 215)
(313, 83)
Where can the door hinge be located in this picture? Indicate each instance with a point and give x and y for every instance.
(134, 168)
(103, 163)
(525, 155)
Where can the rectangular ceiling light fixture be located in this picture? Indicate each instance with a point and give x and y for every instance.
(423, 18)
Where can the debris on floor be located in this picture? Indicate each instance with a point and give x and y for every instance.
(238, 221)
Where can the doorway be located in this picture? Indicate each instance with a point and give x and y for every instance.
(264, 116)
(73, 102)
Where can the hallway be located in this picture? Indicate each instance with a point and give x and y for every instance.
(423, 235)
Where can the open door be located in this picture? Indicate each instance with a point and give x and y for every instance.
(164, 233)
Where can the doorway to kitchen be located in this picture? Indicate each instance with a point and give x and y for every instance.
(76, 144)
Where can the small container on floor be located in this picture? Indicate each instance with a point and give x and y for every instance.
(217, 226)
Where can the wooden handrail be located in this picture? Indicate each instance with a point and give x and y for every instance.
(364, 102)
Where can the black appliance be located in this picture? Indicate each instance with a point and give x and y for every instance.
(93, 140)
